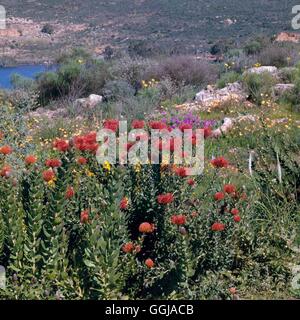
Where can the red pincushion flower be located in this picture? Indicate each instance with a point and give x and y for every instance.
(128, 247)
(30, 160)
(70, 193)
(191, 182)
(232, 290)
(149, 263)
(5, 171)
(181, 172)
(235, 211)
(138, 124)
(84, 216)
(61, 145)
(82, 161)
(237, 218)
(146, 227)
(111, 124)
(48, 175)
(185, 126)
(87, 142)
(219, 162)
(165, 198)
(124, 203)
(218, 226)
(207, 132)
(229, 188)
(138, 248)
(6, 150)
(158, 125)
(219, 196)
(178, 219)
(53, 163)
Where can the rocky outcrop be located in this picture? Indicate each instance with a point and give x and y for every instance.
(281, 88)
(288, 37)
(259, 70)
(88, 103)
(212, 97)
(228, 124)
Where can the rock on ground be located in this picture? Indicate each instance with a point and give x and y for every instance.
(212, 97)
(89, 102)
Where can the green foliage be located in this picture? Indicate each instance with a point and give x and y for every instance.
(228, 77)
(259, 86)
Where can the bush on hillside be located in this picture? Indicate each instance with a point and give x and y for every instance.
(184, 70)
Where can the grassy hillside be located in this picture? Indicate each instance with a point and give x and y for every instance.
(190, 23)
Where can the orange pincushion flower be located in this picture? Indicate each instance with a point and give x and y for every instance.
(48, 175)
(30, 160)
(82, 161)
(149, 263)
(146, 227)
(6, 150)
(128, 247)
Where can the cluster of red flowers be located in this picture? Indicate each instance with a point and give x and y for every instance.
(220, 162)
(138, 124)
(230, 190)
(165, 198)
(111, 124)
(179, 219)
(61, 145)
(53, 163)
(86, 142)
(180, 171)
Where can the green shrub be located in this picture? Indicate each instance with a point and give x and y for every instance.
(259, 86)
(274, 55)
(117, 90)
(228, 77)
(184, 70)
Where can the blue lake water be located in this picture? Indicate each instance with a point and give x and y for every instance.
(28, 71)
